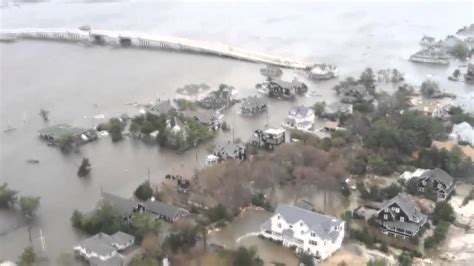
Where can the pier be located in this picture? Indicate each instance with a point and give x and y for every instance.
(144, 40)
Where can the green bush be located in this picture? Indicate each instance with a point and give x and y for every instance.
(144, 191)
(438, 236)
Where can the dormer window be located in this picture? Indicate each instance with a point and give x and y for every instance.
(278, 216)
(402, 219)
(385, 216)
(313, 234)
(291, 226)
(301, 223)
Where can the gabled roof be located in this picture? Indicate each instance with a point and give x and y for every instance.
(99, 243)
(252, 101)
(300, 110)
(121, 238)
(321, 224)
(163, 209)
(123, 205)
(440, 175)
(405, 204)
(163, 107)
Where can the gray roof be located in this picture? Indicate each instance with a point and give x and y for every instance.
(203, 115)
(163, 107)
(99, 243)
(301, 110)
(321, 224)
(164, 209)
(440, 175)
(230, 149)
(122, 238)
(123, 205)
(403, 200)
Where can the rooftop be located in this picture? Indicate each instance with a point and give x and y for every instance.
(403, 201)
(123, 205)
(274, 131)
(163, 209)
(440, 175)
(321, 224)
(99, 243)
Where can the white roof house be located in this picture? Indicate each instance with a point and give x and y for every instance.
(300, 117)
(309, 232)
(407, 175)
(463, 132)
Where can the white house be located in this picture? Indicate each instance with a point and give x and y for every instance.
(463, 132)
(300, 117)
(103, 248)
(309, 232)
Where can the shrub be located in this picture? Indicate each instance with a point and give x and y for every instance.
(443, 211)
(144, 191)
(438, 236)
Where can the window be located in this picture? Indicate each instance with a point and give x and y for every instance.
(402, 219)
(301, 223)
(313, 234)
(385, 216)
(278, 216)
(291, 226)
(279, 225)
(312, 242)
(397, 210)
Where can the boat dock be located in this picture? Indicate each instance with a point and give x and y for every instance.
(145, 40)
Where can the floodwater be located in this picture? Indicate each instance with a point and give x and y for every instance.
(75, 83)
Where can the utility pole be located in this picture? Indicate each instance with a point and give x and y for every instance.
(233, 124)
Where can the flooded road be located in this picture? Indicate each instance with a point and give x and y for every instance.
(75, 83)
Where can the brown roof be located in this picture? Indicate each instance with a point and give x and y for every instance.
(330, 124)
(466, 149)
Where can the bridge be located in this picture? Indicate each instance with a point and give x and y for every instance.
(145, 40)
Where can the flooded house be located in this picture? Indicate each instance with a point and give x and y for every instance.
(300, 117)
(104, 249)
(399, 216)
(162, 107)
(206, 117)
(431, 56)
(269, 138)
(282, 89)
(390, 75)
(309, 232)
(321, 72)
(466, 30)
(177, 131)
(230, 151)
(193, 92)
(253, 105)
(355, 94)
(164, 211)
(469, 76)
(56, 133)
(218, 99)
(271, 71)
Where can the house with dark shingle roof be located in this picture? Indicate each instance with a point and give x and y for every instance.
(164, 210)
(441, 182)
(103, 249)
(400, 217)
(125, 207)
(309, 232)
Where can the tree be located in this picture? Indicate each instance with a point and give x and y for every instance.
(144, 191)
(411, 186)
(377, 262)
(44, 114)
(430, 88)
(115, 128)
(181, 241)
(391, 191)
(306, 260)
(76, 219)
(144, 224)
(461, 50)
(217, 213)
(8, 197)
(405, 259)
(151, 245)
(367, 78)
(28, 257)
(84, 168)
(105, 219)
(443, 211)
(246, 257)
(28, 205)
(319, 108)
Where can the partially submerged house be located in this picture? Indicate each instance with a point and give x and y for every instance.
(462, 133)
(162, 107)
(427, 41)
(309, 232)
(164, 210)
(253, 105)
(218, 99)
(440, 181)
(283, 89)
(206, 117)
(322, 72)
(57, 132)
(230, 151)
(400, 217)
(469, 76)
(432, 55)
(300, 117)
(355, 93)
(104, 249)
(269, 138)
(125, 207)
